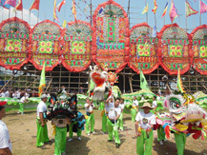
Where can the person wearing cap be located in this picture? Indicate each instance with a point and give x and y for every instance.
(112, 123)
(5, 142)
(42, 133)
(135, 107)
(144, 130)
(89, 106)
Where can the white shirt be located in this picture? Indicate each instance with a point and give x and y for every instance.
(4, 136)
(2, 94)
(27, 95)
(90, 108)
(145, 120)
(135, 103)
(23, 99)
(121, 105)
(154, 104)
(113, 112)
(42, 107)
(109, 106)
(18, 94)
(7, 94)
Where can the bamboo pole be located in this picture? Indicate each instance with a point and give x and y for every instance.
(49, 84)
(7, 83)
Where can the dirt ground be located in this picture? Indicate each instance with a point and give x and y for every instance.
(22, 130)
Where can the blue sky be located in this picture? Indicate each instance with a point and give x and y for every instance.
(137, 6)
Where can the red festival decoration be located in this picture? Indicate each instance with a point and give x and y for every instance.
(46, 45)
(76, 54)
(111, 26)
(143, 53)
(199, 49)
(174, 50)
(14, 43)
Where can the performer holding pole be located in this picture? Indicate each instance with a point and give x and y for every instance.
(42, 133)
(89, 106)
(143, 129)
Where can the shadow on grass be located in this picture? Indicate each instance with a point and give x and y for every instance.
(78, 147)
(169, 148)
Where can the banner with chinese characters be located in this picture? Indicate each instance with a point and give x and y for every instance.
(111, 26)
(14, 43)
(46, 45)
(174, 49)
(199, 49)
(76, 54)
(143, 53)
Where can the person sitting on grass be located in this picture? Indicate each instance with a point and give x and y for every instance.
(112, 123)
(42, 132)
(144, 130)
(5, 142)
(89, 106)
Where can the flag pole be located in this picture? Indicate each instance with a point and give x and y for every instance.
(155, 19)
(53, 10)
(200, 12)
(186, 18)
(38, 16)
(146, 12)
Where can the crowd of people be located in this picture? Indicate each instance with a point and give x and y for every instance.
(112, 122)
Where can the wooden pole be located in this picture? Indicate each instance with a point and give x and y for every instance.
(91, 12)
(186, 21)
(31, 84)
(49, 84)
(7, 83)
(130, 84)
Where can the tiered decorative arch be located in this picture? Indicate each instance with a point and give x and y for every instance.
(111, 26)
(199, 47)
(175, 47)
(143, 49)
(46, 45)
(77, 46)
(14, 43)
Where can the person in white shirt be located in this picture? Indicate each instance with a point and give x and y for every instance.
(42, 132)
(7, 93)
(2, 94)
(18, 94)
(144, 130)
(121, 106)
(89, 106)
(113, 116)
(154, 104)
(135, 108)
(23, 100)
(5, 142)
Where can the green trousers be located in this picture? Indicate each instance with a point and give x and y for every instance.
(160, 133)
(113, 131)
(180, 140)
(90, 120)
(144, 143)
(120, 122)
(42, 134)
(104, 123)
(21, 107)
(71, 131)
(60, 140)
(133, 114)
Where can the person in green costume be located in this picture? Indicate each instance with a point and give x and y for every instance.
(112, 123)
(160, 130)
(89, 113)
(144, 130)
(60, 134)
(135, 108)
(121, 106)
(42, 133)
